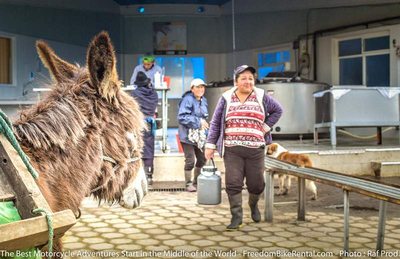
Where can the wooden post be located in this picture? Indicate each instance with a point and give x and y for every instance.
(17, 184)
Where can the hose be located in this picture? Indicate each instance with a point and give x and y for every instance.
(363, 137)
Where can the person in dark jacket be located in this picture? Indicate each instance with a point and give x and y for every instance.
(147, 98)
(192, 115)
(240, 130)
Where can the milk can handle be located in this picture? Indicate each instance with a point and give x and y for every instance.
(212, 160)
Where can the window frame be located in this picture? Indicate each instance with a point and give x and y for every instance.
(13, 59)
(273, 49)
(364, 54)
(185, 83)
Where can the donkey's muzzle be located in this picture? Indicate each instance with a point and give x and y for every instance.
(133, 195)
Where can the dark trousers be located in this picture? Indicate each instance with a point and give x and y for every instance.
(240, 163)
(148, 148)
(193, 155)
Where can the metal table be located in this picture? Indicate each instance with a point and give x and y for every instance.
(164, 118)
(356, 106)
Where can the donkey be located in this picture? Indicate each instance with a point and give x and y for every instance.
(85, 136)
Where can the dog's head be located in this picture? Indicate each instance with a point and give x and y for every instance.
(275, 150)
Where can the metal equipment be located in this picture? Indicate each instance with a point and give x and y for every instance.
(296, 99)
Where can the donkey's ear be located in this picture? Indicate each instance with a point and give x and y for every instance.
(58, 68)
(101, 63)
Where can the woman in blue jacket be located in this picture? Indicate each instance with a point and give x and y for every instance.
(147, 98)
(192, 115)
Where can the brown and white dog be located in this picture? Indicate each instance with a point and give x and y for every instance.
(277, 151)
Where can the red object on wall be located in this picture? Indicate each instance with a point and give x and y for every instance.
(167, 80)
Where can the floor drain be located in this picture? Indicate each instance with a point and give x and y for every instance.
(341, 206)
(166, 189)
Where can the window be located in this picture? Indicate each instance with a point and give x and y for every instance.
(272, 62)
(364, 61)
(5, 61)
(181, 71)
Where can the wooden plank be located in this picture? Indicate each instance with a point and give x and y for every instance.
(34, 231)
(5, 187)
(24, 186)
(7, 197)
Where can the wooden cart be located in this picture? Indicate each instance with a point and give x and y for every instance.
(17, 184)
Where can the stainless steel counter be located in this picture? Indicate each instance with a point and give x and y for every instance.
(356, 106)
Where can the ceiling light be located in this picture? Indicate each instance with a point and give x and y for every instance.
(200, 9)
(140, 9)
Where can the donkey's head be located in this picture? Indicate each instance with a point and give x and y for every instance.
(89, 118)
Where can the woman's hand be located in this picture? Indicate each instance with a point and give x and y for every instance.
(209, 153)
(203, 124)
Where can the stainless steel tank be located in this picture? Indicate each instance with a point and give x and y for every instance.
(296, 99)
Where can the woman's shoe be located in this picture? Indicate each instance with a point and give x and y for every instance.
(191, 188)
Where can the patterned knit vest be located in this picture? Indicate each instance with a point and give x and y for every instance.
(244, 123)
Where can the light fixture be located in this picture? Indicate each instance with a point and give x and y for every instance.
(200, 9)
(140, 9)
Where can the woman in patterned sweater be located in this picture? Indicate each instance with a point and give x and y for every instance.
(240, 130)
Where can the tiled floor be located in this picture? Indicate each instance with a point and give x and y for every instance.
(173, 225)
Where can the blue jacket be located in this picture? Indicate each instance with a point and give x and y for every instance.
(190, 113)
(272, 109)
(147, 98)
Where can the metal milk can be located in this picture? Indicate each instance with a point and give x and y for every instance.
(209, 185)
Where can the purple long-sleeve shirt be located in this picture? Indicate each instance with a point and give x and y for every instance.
(272, 109)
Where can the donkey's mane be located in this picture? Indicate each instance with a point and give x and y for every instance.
(55, 119)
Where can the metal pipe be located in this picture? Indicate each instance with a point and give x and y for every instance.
(346, 221)
(233, 35)
(381, 226)
(269, 195)
(368, 188)
(344, 27)
(301, 212)
(373, 187)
